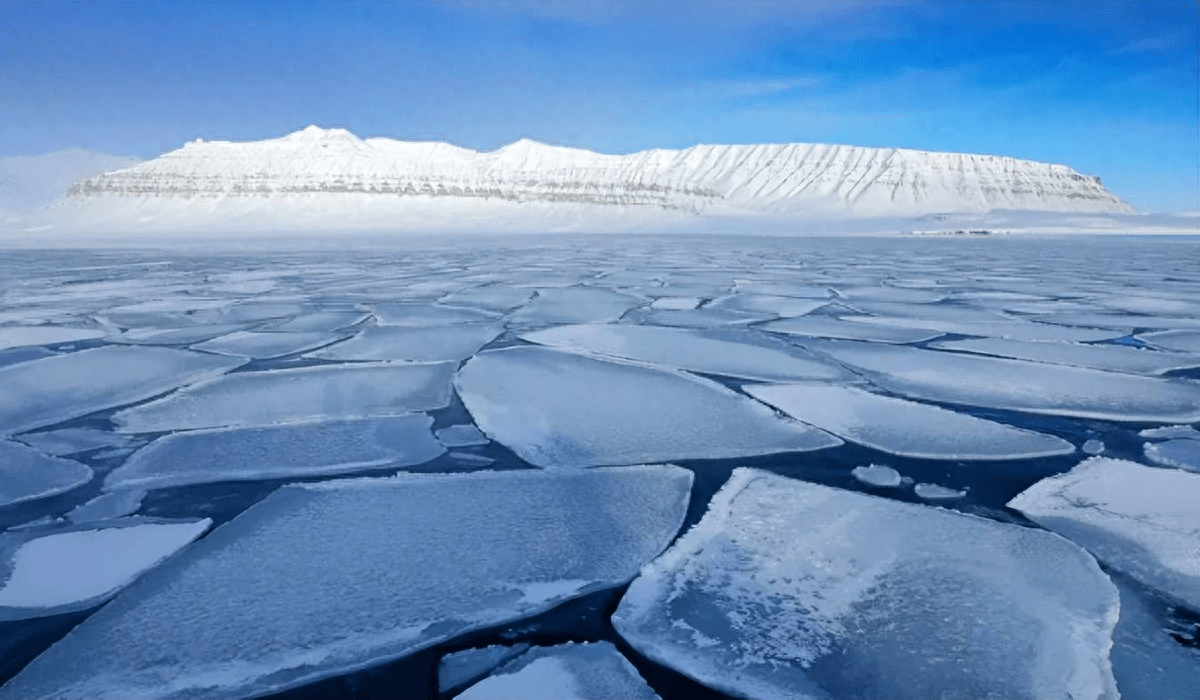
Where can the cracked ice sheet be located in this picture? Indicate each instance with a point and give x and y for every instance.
(276, 452)
(903, 427)
(250, 399)
(1113, 358)
(419, 344)
(1018, 385)
(1179, 341)
(1142, 520)
(563, 410)
(1184, 454)
(734, 353)
(26, 474)
(54, 389)
(574, 305)
(415, 314)
(57, 572)
(23, 336)
(586, 671)
(266, 346)
(828, 327)
(323, 579)
(787, 589)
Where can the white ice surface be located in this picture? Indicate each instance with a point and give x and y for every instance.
(414, 314)
(175, 336)
(757, 304)
(1184, 454)
(829, 327)
(563, 410)
(587, 671)
(905, 428)
(575, 305)
(48, 574)
(787, 589)
(1092, 447)
(676, 303)
(736, 353)
(1183, 432)
(935, 492)
(1142, 520)
(69, 441)
(250, 399)
(21, 336)
(469, 665)
(1019, 385)
(1179, 340)
(276, 452)
(27, 474)
(264, 346)
(1010, 328)
(107, 506)
(413, 344)
(323, 579)
(320, 321)
(1115, 358)
(51, 390)
(878, 475)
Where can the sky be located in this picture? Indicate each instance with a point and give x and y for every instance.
(1107, 87)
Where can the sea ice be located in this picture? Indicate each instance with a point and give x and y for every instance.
(563, 410)
(574, 305)
(108, 506)
(327, 321)
(26, 474)
(15, 356)
(587, 671)
(69, 441)
(934, 492)
(757, 304)
(498, 298)
(828, 327)
(22, 336)
(1142, 520)
(1182, 432)
(1148, 663)
(323, 579)
(48, 574)
(53, 389)
(735, 353)
(676, 303)
(787, 589)
(878, 475)
(1184, 454)
(1115, 358)
(249, 399)
(1012, 328)
(265, 346)
(413, 344)
(462, 667)
(176, 336)
(903, 427)
(1092, 447)
(460, 436)
(277, 452)
(1180, 341)
(414, 314)
(1019, 385)
(701, 318)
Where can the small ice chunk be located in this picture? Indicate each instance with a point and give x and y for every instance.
(676, 303)
(320, 579)
(462, 667)
(277, 452)
(903, 427)
(1142, 520)
(934, 492)
(827, 327)
(471, 459)
(415, 314)
(574, 305)
(461, 436)
(1179, 341)
(108, 506)
(787, 589)
(54, 573)
(54, 389)
(730, 352)
(878, 475)
(22, 336)
(563, 410)
(69, 441)
(1184, 454)
(587, 671)
(249, 399)
(1093, 447)
(413, 344)
(997, 382)
(1182, 432)
(1114, 358)
(26, 474)
(266, 346)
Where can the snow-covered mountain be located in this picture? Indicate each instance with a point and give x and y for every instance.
(338, 178)
(28, 183)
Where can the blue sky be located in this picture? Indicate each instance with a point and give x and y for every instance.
(1109, 88)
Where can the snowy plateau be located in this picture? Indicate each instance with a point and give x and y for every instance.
(329, 179)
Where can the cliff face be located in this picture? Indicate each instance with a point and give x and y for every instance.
(790, 179)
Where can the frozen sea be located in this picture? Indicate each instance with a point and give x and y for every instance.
(327, 409)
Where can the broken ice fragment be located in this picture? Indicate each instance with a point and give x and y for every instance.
(26, 474)
(587, 671)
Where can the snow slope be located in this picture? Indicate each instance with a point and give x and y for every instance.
(389, 183)
(28, 183)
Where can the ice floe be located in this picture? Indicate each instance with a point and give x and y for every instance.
(1142, 520)
(69, 441)
(575, 305)
(587, 671)
(412, 314)
(676, 303)
(1184, 454)
(462, 667)
(1180, 341)
(787, 589)
(53, 389)
(413, 344)
(1019, 385)
(936, 492)
(1115, 358)
(460, 436)
(265, 346)
(48, 574)
(186, 335)
(1092, 447)
(736, 353)
(321, 321)
(248, 399)
(994, 328)
(905, 427)
(107, 506)
(562, 410)
(15, 356)
(755, 304)
(829, 327)
(878, 475)
(1182, 432)
(27, 474)
(21, 336)
(280, 451)
(322, 579)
